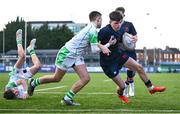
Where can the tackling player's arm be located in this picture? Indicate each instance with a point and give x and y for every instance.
(104, 48)
(97, 47)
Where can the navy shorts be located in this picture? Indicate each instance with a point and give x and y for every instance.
(131, 54)
(111, 69)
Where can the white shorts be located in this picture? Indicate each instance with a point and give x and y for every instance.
(23, 73)
(65, 59)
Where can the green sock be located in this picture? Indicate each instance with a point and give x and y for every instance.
(19, 42)
(69, 95)
(32, 52)
(35, 82)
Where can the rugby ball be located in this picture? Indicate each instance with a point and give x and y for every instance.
(127, 41)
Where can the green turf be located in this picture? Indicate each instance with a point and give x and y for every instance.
(99, 96)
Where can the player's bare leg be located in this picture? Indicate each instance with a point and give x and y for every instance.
(56, 77)
(82, 72)
(36, 63)
(77, 86)
(133, 65)
(130, 82)
(20, 50)
(120, 88)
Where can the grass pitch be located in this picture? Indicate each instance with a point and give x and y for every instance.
(99, 96)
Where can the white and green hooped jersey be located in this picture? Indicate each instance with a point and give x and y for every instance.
(85, 38)
(15, 75)
(13, 85)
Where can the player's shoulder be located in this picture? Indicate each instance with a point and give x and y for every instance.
(88, 29)
(106, 28)
(91, 28)
(128, 22)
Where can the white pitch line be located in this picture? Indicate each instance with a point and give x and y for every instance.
(92, 110)
(99, 93)
(50, 88)
(108, 80)
(49, 92)
(93, 93)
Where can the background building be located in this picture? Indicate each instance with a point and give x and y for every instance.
(74, 27)
(153, 60)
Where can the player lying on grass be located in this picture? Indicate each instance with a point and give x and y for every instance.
(112, 63)
(17, 87)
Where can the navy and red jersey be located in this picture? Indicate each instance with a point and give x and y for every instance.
(104, 36)
(127, 27)
(116, 59)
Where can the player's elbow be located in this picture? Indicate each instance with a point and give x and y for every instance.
(95, 48)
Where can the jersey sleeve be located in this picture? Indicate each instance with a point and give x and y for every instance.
(133, 30)
(94, 42)
(14, 70)
(10, 85)
(93, 38)
(103, 36)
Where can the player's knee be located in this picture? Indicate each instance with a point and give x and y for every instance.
(22, 56)
(56, 79)
(38, 65)
(86, 79)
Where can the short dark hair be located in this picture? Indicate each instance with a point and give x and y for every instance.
(120, 9)
(93, 15)
(115, 16)
(9, 94)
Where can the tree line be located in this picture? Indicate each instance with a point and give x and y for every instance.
(46, 38)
